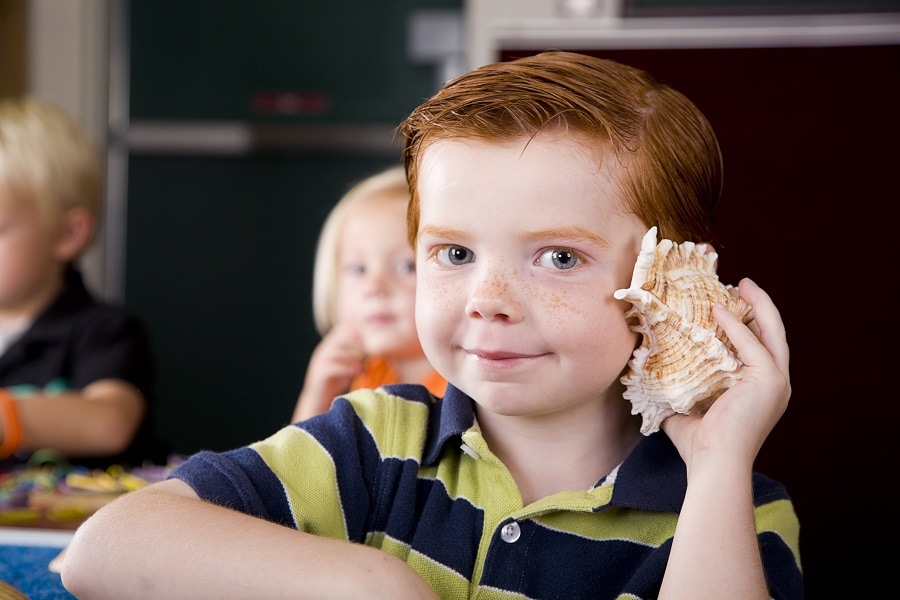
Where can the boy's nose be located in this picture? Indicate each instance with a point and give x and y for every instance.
(494, 298)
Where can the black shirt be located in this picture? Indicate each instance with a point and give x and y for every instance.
(75, 342)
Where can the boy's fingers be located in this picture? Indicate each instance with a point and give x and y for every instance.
(769, 327)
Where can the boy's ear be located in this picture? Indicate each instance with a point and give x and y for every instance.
(75, 234)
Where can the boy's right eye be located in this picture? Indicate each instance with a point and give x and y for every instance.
(455, 255)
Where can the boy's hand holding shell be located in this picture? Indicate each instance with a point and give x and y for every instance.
(685, 361)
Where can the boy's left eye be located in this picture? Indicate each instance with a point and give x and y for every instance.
(558, 258)
(455, 255)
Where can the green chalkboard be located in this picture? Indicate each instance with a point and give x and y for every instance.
(223, 59)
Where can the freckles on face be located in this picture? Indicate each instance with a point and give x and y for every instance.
(557, 302)
(557, 307)
(520, 248)
(434, 306)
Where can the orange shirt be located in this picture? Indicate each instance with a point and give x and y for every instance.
(377, 373)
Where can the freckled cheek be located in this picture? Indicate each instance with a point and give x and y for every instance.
(560, 316)
(565, 310)
(434, 303)
(560, 307)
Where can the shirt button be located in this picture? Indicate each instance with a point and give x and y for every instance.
(511, 532)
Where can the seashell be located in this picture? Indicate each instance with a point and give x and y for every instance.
(685, 361)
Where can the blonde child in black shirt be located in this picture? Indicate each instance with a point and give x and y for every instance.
(75, 373)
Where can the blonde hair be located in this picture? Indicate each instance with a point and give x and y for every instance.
(386, 184)
(671, 165)
(46, 157)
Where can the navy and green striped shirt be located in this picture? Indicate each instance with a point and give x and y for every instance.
(396, 469)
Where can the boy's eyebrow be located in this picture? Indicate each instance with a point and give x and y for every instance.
(441, 232)
(572, 233)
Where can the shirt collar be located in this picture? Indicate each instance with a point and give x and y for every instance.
(652, 477)
(451, 417)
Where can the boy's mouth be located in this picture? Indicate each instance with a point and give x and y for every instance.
(499, 355)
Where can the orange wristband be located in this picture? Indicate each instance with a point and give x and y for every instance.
(12, 428)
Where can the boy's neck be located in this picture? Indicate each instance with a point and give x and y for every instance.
(552, 453)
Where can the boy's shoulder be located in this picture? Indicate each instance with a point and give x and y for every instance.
(407, 419)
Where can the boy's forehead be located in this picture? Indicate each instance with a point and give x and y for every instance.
(576, 145)
(549, 163)
(544, 183)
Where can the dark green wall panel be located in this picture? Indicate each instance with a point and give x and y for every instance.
(206, 59)
(220, 248)
(220, 255)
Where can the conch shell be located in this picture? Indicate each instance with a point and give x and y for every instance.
(685, 361)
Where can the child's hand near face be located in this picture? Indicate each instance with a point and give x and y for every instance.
(743, 417)
(334, 363)
(364, 293)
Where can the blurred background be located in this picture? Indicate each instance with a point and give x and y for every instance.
(231, 127)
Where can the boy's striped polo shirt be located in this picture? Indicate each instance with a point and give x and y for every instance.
(397, 469)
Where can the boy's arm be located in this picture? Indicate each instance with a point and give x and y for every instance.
(163, 542)
(99, 420)
(716, 553)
